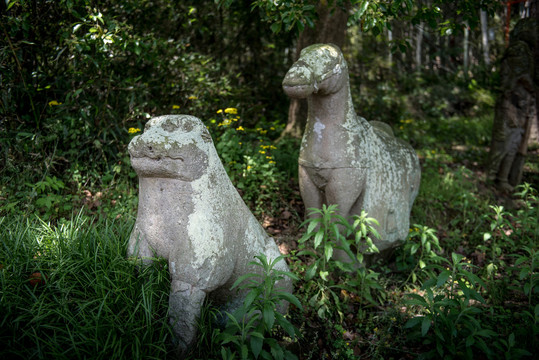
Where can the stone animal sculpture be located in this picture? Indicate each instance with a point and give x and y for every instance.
(190, 214)
(344, 159)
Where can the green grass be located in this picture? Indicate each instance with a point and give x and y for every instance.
(90, 300)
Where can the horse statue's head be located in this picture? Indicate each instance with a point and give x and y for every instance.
(320, 69)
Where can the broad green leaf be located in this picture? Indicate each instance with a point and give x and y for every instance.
(324, 275)
(276, 27)
(442, 278)
(256, 345)
(318, 238)
(328, 251)
(311, 271)
(362, 8)
(268, 313)
(425, 326)
(250, 297)
(413, 322)
(291, 299)
(286, 325)
(243, 278)
(311, 227)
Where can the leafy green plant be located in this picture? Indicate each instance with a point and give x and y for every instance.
(250, 328)
(47, 193)
(419, 249)
(449, 316)
(248, 157)
(331, 232)
(527, 267)
(527, 226)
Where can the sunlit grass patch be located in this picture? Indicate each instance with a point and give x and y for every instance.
(68, 291)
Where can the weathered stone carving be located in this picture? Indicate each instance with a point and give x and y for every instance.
(515, 118)
(190, 213)
(344, 159)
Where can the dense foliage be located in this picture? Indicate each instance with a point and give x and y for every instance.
(80, 78)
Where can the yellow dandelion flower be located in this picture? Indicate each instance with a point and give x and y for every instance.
(240, 128)
(192, 97)
(262, 152)
(249, 167)
(232, 111)
(273, 147)
(133, 130)
(269, 157)
(175, 107)
(54, 103)
(272, 128)
(219, 111)
(271, 162)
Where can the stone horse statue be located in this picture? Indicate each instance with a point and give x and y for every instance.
(190, 214)
(344, 159)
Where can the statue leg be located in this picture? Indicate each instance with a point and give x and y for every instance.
(513, 141)
(312, 195)
(138, 246)
(185, 304)
(346, 188)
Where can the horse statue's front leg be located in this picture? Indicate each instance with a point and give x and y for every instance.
(312, 195)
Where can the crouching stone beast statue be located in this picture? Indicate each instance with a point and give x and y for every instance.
(190, 213)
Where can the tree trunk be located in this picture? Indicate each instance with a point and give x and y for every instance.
(329, 28)
(484, 36)
(465, 46)
(534, 136)
(390, 55)
(418, 44)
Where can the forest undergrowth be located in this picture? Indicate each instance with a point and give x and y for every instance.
(81, 78)
(464, 284)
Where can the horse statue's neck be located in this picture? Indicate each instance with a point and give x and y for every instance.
(332, 125)
(335, 111)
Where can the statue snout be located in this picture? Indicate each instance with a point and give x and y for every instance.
(139, 148)
(299, 81)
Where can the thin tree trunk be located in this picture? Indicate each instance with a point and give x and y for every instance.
(484, 36)
(418, 44)
(390, 55)
(466, 46)
(329, 28)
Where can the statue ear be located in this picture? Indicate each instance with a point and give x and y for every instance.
(205, 135)
(150, 123)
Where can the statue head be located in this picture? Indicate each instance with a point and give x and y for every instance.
(172, 146)
(320, 69)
